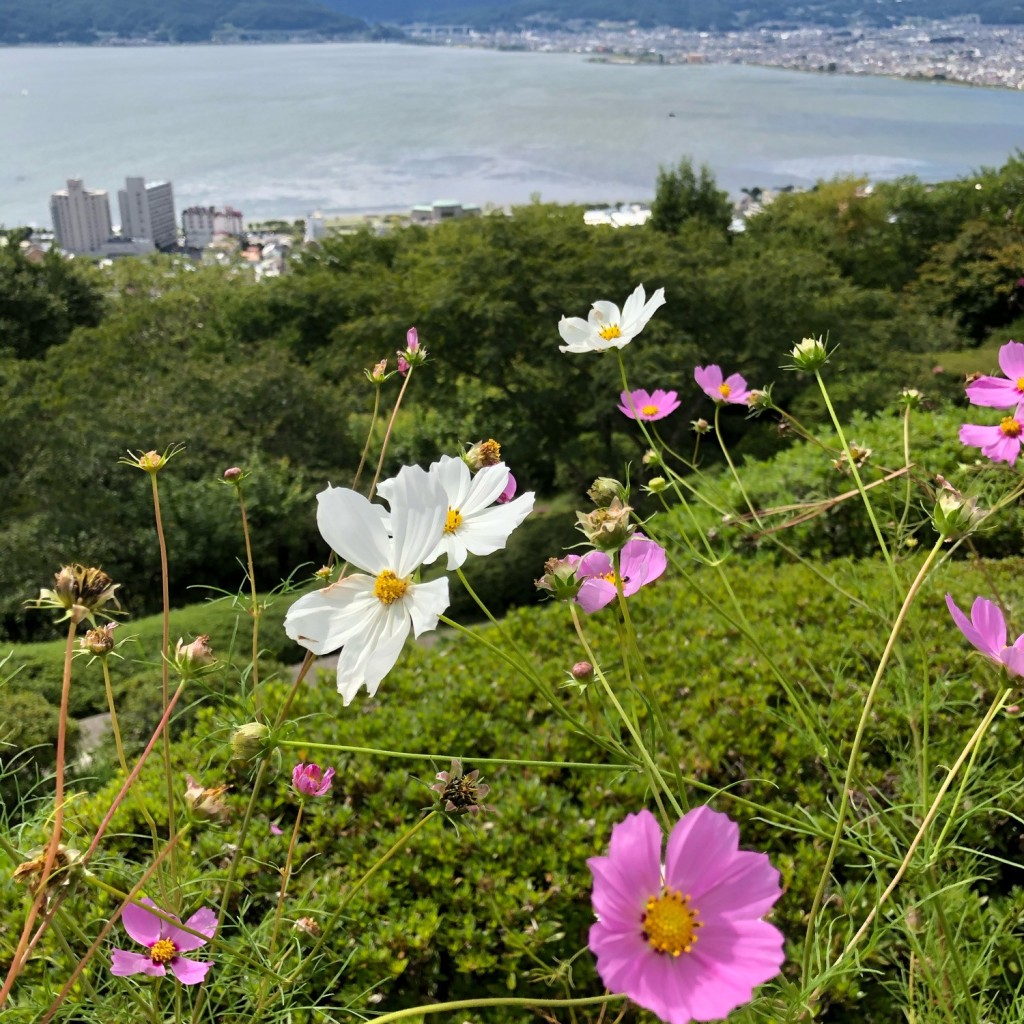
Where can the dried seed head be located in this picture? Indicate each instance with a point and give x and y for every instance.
(99, 641)
(483, 453)
(64, 875)
(80, 591)
(460, 793)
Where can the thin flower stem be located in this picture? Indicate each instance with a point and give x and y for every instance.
(472, 1004)
(123, 762)
(255, 607)
(851, 764)
(165, 665)
(307, 664)
(906, 462)
(869, 508)
(657, 780)
(356, 887)
(732, 466)
(285, 877)
(387, 433)
(342, 748)
(22, 950)
(369, 439)
(969, 751)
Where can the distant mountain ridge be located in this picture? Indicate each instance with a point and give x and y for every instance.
(181, 21)
(696, 14)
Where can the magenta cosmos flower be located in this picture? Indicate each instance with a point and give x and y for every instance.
(732, 389)
(310, 780)
(165, 943)
(639, 405)
(1002, 392)
(986, 630)
(684, 940)
(640, 562)
(1000, 443)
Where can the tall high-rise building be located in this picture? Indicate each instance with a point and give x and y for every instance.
(81, 217)
(147, 211)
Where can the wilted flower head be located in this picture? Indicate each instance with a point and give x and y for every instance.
(559, 578)
(911, 398)
(197, 654)
(379, 373)
(607, 528)
(859, 454)
(684, 938)
(651, 458)
(99, 642)
(80, 591)
(809, 354)
(205, 803)
(324, 572)
(956, 516)
(249, 741)
(64, 875)
(165, 943)
(311, 780)
(460, 794)
(759, 399)
(307, 926)
(481, 454)
(606, 327)
(605, 489)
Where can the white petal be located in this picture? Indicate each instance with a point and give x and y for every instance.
(635, 319)
(604, 313)
(574, 331)
(354, 528)
(426, 602)
(324, 620)
(489, 530)
(366, 660)
(454, 476)
(488, 483)
(419, 509)
(454, 547)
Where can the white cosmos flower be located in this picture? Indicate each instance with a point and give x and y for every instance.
(369, 616)
(606, 327)
(474, 525)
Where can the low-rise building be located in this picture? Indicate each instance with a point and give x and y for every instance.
(441, 210)
(203, 224)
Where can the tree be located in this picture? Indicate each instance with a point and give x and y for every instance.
(682, 195)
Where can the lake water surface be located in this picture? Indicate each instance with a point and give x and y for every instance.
(283, 130)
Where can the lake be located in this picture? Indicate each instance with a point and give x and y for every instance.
(285, 129)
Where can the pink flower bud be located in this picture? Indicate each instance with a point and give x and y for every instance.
(310, 780)
(510, 491)
(583, 671)
(232, 474)
(412, 338)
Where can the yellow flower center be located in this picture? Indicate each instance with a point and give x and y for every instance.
(649, 410)
(609, 576)
(670, 923)
(454, 520)
(1020, 383)
(389, 588)
(609, 332)
(724, 390)
(1010, 427)
(162, 951)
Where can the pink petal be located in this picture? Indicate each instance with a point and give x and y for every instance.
(594, 563)
(1011, 360)
(700, 851)
(708, 379)
(140, 924)
(204, 920)
(618, 954)
(643, 560)
(988, 619)
(595, 594)
(977, 436)
(1013, 658)
(1003, 448)
(190, 972)
(749, 889)
(123, 964)
(635, 848)
(994, 392)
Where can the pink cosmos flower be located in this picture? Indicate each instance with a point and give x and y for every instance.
(310, 780)
(684, 939)
(1000, 392)
(1000, 443)
(166, 944)
(509, 492)
(732, 390)
(654, 406)
(986, 630)
(640, 562)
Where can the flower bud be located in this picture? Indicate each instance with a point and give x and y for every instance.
(911, 398)
(323, 573)
(233, 474)
(559, 578)
(509, 492)
(607, 528)
(249, 742)
(414, 353)
(197, 654)
(651, 458)
(605, 489)
(483, 453)
(656, 485)
(956, 516)
(809, 354)
(583, 671)
(99, 641)
(700, 426)
(310, 780)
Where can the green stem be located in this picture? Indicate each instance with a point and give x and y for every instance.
(369, 439)
(387, 433)
(356, 887)
(255, 607)
(471, 1004)
(656, 778)
(407, 755)
(855, 752)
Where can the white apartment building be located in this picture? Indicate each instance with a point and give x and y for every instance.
(147, 211)
(81, 217)
(203, 224)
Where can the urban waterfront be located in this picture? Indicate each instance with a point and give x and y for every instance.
(284, 130)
